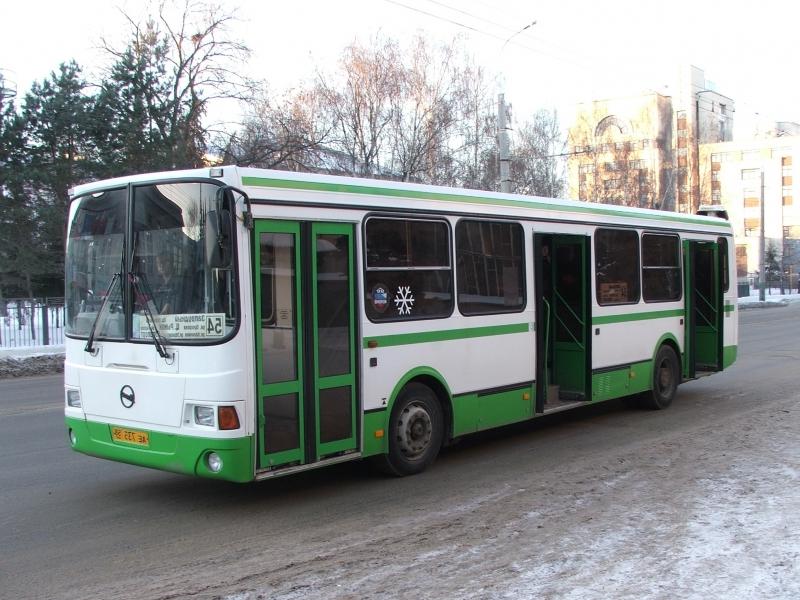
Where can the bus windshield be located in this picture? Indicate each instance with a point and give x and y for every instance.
(173, 278)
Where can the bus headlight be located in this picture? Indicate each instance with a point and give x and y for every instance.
(214, 462)
(204, 415)
(74, 398)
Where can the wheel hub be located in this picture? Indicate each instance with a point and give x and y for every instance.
(415, 431)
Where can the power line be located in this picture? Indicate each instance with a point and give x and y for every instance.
(441, 18)
(492, 35)
(474, 16)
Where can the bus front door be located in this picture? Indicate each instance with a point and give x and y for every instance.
(703, 320)
(306, 388)
(563, 319)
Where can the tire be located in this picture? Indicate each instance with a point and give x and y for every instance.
(666, 377)
(415, 432)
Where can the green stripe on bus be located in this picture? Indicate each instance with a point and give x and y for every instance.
(423, 337)
(627, 317)
(318, 186)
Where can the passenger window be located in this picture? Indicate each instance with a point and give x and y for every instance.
(616, 261)
(661, 268)
(490, 266)
(409, 274)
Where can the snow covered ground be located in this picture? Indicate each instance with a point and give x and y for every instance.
(771, 299)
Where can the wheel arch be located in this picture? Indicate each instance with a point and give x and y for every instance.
(436, 382)
(670, 340)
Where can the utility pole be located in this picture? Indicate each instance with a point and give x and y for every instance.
(761, 247)
(503, 144)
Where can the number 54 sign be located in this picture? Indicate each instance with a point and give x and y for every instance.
(214, 325)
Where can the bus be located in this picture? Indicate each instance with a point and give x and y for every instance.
(241, 323)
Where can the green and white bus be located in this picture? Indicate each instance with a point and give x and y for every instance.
(240, 324)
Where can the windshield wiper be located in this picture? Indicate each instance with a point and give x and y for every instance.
(159, 341)
(89, 347)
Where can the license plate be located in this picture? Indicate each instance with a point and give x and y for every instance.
(130, 436)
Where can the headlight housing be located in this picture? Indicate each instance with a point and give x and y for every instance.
(204, 415)
(74, 398)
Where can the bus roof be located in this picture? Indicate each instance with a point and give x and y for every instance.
(372, 193)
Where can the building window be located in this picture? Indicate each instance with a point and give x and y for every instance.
(716, 196)
(409, 275)
(752, 202)
(741, 261)
(661, 268)
(751, 155)
(787, 200)
(611, 184)
(752, 226)
(616, 264)
(586, 168)
(490, 266)
(786, 161)
(751, 174)
(682, 151)
(714, 175)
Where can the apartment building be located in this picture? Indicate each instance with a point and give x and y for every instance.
(731, 175)
(644, 150)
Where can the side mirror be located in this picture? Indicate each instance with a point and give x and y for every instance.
(218, 238)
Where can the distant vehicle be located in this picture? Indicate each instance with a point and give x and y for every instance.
(241, 324)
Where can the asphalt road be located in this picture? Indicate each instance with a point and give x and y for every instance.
(77, 527)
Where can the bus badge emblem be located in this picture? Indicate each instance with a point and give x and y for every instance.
(127, 397)
(380, 298)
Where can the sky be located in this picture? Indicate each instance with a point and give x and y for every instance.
(575, 52)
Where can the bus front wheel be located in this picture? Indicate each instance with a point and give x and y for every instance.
(415, 432)
(666, 377)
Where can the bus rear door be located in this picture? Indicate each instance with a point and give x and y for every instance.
(703, 320)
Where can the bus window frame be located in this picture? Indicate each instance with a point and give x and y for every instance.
(423, 217)
(524, 266)
(638, 269)
(679, 266)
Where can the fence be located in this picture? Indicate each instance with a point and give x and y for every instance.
(31, 322)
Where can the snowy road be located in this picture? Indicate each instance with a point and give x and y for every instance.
(698, 501)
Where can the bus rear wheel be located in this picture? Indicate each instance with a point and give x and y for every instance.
(666, 377)
(415, 432)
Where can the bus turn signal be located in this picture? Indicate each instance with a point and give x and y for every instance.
(227, 417)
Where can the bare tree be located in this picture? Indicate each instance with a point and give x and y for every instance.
(535, 161)
(424, 112)
(195, 62)
(474, 145)
(286, 133)
(359, 104)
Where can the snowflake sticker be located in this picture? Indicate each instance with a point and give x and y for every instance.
(404, 300)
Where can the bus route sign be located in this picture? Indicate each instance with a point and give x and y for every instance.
(183, 326)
